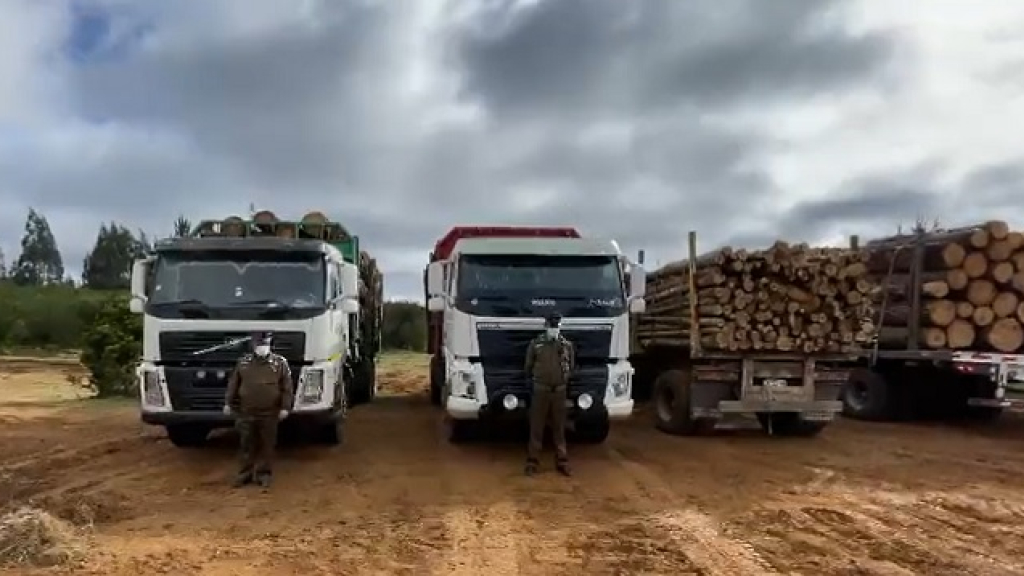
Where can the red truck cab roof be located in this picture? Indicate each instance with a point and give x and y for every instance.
(443, 248)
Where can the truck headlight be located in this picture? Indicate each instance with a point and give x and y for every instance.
(312, 387)
(463, 385)
(152, 392)
(620, 385)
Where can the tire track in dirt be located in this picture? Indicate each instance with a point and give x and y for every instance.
(483, 540)
(700, 537)
(874, 530)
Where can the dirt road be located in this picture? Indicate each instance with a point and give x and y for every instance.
(396, 498)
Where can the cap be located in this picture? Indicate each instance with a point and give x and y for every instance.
(261, 338)
(553, 320)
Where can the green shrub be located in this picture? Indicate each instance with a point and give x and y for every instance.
(111, 346)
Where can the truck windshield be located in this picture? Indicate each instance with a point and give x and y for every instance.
(237, 284)
(512, 285)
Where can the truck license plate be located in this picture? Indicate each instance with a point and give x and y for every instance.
(775, 382)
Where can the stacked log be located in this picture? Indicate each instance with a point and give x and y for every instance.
(371, 302)
(971, 288)
(787, 298)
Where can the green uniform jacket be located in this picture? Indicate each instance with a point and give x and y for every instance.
(550, 361)
(260, 386)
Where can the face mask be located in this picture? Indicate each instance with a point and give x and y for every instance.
(262, 350)
(552, 332)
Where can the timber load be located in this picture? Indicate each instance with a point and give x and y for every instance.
(954, 289)
(787, 298)
(371, 300)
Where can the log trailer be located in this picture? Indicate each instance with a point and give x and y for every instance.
(488, 289)
(202, 296)
(686, 355)
(949, 333)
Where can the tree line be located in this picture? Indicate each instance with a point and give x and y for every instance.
(43, 308)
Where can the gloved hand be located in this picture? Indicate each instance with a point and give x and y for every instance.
(227, 410)
(282, 414)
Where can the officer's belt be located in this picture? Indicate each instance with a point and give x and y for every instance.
(549, 387)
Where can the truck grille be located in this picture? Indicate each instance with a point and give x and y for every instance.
(507, 348)
(199, 382)
(178, 347)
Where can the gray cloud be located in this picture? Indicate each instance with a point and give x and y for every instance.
(608, 115)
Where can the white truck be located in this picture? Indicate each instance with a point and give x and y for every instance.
(488, 291)
(201, 298)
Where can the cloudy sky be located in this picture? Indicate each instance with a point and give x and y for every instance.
(744, 119)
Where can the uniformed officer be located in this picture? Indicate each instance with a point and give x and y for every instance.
(550, 360)
(259, 396)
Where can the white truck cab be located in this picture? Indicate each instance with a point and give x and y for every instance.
(493, 295)
(201, 298)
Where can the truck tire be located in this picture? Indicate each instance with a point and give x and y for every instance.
(591, 430)
(364, 388)
(330, 433)
(672, 405)
(187, 435)
(789, 424)
(866, 396)
(462, 431)
(436, 379)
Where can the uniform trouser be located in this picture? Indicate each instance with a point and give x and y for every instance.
(257, 437)
(548, 408)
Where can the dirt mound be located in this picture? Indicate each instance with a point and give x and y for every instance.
(84, 509)
(33, 537)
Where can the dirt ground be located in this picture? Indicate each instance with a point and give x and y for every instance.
(397, 499)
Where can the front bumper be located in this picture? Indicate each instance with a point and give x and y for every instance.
(460, 408)
(219, 420)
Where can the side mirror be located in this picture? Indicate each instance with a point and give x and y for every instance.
(135, 306)
(140, 273)
(637, 305)
(436, 304)
(637, 281)
(435, 278)
(349, 282)
(349, 306)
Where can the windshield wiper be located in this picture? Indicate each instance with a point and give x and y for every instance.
(268, 302)
(186, 306)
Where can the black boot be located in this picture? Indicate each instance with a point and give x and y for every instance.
(563, 467)
(241, 479)
(531, 467)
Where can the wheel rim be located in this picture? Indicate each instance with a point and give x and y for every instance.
(857, 395)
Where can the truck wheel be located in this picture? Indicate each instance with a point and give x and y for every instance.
(592, 431)
(866, 396)
(436, 379)
(187, 435)
(789, 424)
(365, 384)
(370, 373)
(330, 433)
(983, 414)
(672, 405)
(461, 431)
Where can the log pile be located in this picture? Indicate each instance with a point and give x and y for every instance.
(972, 288)
(371, 302)
(787, 298)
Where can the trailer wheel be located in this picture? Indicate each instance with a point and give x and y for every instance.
(789, 424)
(672, 404)
(866, 396)
(436, 379)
